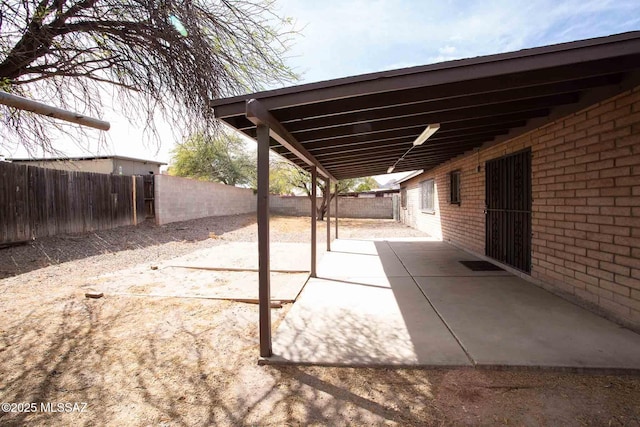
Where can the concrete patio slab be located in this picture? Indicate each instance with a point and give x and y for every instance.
(361, 258)
(193, 275)
(190, 283)
(402, 303)
(364, 321)
(506, 321)
(430, 259)
(284, 256)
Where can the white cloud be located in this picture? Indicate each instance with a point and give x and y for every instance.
(352, 37)
(447, 50)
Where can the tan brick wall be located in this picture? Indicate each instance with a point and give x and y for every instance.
(586, 205)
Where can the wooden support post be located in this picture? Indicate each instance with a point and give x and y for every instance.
(328, 204)
(314, 222)
(337, 194)
(264, 290)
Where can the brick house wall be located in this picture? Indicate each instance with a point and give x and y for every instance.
(586, 205)
(182, 199)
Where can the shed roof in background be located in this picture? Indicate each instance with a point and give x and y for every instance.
(359, 126)
(80, 158)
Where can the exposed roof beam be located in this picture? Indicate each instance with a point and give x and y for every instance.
(379, 170)
(256, 112)
(443, 118)
(406, 142)
(409, 165)
(430, 105)
(426, 157)
(412, 110)
(395, 151)
(504, 121)
(571, 80)
(564, 83)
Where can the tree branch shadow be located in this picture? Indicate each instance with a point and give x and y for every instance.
(53, 250)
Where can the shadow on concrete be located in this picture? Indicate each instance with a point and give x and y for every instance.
(364, 309)
(501, 320)
(414, 304)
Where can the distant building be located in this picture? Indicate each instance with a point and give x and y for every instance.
(378, 192)
(116, 165)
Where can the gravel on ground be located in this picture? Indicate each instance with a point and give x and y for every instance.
(173, 361)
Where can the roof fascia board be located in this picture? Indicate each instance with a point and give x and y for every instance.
(573, 53)
(408, 177)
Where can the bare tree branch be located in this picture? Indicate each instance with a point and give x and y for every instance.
(166, 57)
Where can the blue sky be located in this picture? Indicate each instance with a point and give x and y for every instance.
(350, 37)
(343, 38)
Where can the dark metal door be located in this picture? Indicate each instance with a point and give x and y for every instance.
(508, 210)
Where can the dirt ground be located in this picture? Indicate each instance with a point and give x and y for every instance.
(193, 362)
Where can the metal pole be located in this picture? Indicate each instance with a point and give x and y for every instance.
(337, 194)
(314, 194)
(25, 104)
(264, 287)
(328, 204)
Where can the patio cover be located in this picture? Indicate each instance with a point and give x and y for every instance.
(360, 126)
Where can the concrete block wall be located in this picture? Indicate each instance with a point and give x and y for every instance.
(586, 205)
(182, 199)
(348, 207)
(291, 205)
(360, 207)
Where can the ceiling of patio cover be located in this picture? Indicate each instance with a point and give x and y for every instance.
(359, 126)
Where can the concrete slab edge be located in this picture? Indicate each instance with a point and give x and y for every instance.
(304, 285)
(243, 300)
(279, 361)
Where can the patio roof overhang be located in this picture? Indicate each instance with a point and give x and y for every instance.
(359, 126)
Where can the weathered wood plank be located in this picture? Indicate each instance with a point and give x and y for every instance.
(37, 202)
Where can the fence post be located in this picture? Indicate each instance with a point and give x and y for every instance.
(134, 200)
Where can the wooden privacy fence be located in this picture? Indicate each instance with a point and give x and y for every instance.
(37, 202)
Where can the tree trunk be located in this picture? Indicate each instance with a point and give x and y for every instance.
(322, 207)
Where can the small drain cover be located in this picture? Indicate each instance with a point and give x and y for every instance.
(480, 266)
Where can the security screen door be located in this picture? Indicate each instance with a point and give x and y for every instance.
(508, 210)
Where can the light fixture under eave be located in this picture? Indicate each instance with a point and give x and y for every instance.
(390, 169)
(430, 130)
